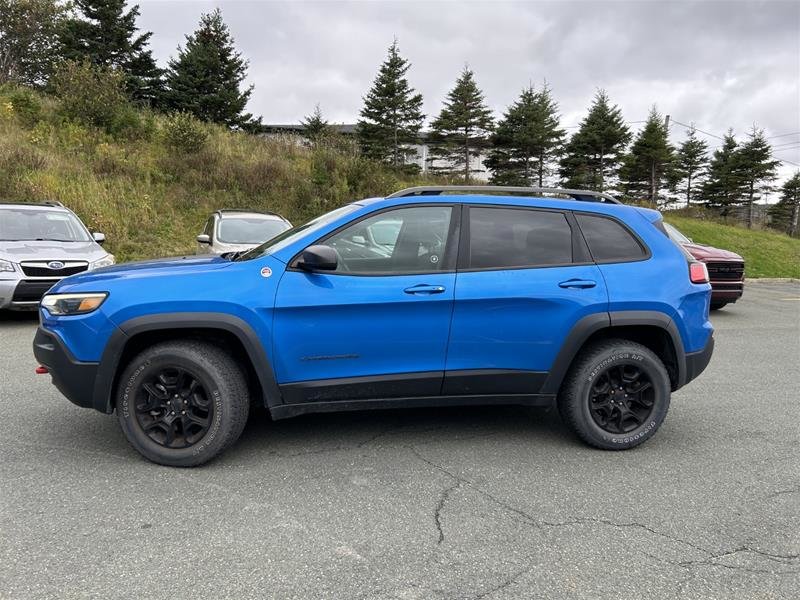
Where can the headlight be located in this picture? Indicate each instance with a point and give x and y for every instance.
(73, 304)
(6, 266)
(106, 261)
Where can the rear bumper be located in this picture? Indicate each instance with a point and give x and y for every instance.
(696, 362)
(73, 378)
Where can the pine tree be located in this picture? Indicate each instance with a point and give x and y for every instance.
(593, 155)
(756, 169)
(462, 128)
(28, 40)
(315, 127)
(526, 140)
(650, 160)
(723, 187)
(691, 161)
(785, 215)
(392, 114)
(103, 33)
(206, 76)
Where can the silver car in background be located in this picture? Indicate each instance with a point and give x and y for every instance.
(232, 230)
(39, 245)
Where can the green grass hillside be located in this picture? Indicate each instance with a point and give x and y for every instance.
(766, 253)
(149, 195)
(150, 184)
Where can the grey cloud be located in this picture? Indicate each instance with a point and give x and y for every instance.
(718, 64)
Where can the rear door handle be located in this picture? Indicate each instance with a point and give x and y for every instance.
(423, 289)
(580, 284)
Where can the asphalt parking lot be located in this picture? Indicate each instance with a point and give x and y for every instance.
(423, 504)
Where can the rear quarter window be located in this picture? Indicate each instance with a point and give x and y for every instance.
(609, 240)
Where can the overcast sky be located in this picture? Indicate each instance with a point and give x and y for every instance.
(717, 64)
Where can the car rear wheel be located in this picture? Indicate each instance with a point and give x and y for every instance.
(182, 403)
(616, 395)
(717, 305)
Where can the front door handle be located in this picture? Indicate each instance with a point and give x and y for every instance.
(580, 284)
(423, 289)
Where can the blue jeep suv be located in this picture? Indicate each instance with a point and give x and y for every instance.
(428, 297)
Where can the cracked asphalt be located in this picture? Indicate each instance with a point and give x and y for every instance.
(423, 504)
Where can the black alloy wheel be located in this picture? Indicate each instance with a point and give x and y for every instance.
(621, 398)
(173, 408)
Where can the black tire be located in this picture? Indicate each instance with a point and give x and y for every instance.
(583, 409)
(717, 305)
(216, 402)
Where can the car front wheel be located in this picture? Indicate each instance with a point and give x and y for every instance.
(182, 403)
(616, 395)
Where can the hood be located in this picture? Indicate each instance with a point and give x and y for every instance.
(50, 250)
(701, 252)
(163, 267)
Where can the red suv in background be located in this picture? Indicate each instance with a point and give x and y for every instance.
(725, 269)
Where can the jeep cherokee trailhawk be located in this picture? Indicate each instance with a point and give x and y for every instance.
(428, 297)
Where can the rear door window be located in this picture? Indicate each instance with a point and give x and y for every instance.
(609, 240)
(513, 238)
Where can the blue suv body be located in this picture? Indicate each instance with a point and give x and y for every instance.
(422, 298)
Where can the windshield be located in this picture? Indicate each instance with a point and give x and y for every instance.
(675, 235)
(290, 235)
(249, 230)
(26, 224)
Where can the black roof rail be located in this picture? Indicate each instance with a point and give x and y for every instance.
(436, 190)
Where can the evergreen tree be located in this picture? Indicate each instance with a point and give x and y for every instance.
(206, 76)
(526, 140)
(392, 114)
(462, 128)
(650, 160)
(103, 33)
(315, 127)
(28, 40)
(785, 215)
(723, 187)
(756, 169)
(593, 155)
(691, 161)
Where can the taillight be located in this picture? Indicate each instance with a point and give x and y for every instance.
(698, 272)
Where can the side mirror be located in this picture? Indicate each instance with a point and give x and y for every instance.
(99, 237)
(203, 239)
(318, 258)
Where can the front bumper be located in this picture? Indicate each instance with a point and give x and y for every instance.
(23, 294)
(73, 378)
(696, 362)
(728, 291)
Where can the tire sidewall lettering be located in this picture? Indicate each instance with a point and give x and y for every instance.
(125, 402)
(644, 431)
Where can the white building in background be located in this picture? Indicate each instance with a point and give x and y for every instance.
(421, 157)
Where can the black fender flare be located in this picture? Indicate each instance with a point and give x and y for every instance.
(109, 363)
(590, 324)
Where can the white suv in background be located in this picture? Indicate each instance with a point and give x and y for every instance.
(39, 245)
(232, 230)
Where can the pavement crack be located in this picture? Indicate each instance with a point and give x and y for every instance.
(511, 580)
(437, 513)
(793, 490)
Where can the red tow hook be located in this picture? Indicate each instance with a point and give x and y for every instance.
(40, 370)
